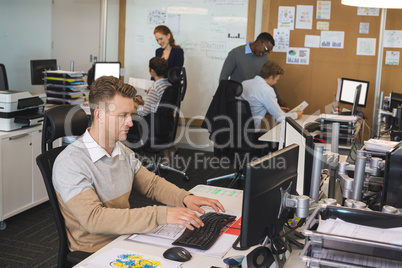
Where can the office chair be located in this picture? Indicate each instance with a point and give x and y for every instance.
(157, 131)
(3, 77)
(230, 124)
(60, 121)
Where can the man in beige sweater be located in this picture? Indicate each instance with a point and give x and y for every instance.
(94, 176)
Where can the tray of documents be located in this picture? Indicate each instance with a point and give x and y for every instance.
(348, 237)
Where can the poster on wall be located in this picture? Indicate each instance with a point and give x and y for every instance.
(366, 46)
(296, 55)
(286, 17)
(393, 38)
(281, 38)
(156, 17)
(304, 17)
(332, 39)
(392, 57)
(323, 10)
(368, 11)
(364, 27)
(312, 41)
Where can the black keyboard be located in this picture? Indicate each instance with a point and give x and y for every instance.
(204, 237)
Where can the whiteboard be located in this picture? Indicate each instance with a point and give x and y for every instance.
(206, 30)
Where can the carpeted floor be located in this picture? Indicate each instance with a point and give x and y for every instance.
(31, 238)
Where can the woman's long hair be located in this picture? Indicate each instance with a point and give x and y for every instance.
(165, 31)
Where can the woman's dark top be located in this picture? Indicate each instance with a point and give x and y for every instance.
(176, 57)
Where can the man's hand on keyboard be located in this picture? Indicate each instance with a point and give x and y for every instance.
(194, 202)
(183, 216)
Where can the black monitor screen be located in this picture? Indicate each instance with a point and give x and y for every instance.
(395, 100)
(3, 78)
(296, 134)
(392, 193)
(262, 197)
(38, 67)
(348, 90)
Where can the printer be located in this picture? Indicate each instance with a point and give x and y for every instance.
(20, 109)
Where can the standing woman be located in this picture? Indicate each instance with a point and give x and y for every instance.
(169, 50)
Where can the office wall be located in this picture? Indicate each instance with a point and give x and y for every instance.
(28, 28)
(316, 83)
(25, 32)
(76, 33)
(391, 74)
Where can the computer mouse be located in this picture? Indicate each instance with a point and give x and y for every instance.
(177, 254)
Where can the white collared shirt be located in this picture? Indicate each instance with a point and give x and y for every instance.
(96, 151)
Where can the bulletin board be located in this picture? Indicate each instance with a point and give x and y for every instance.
(206, 30)
(317, 82)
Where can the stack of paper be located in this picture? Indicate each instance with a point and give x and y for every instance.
(64, 87)
(379, 145)
(140, 84)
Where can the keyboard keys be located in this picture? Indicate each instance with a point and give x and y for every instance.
(205, 237)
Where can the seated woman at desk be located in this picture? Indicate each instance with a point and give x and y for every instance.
(261, 96)
(157, 69)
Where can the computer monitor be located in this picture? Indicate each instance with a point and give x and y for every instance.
(38, 67)
(99, 69)
(296, 134)
(392, 192)
(262, 196)
(107, 68)
(395, 102)
(3, 78)
(348, 92)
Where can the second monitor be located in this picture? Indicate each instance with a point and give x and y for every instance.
(261, 214)
(348, 90)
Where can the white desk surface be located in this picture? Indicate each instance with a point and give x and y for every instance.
(230, 204)
(274, 134)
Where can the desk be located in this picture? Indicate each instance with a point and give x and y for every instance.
(274, 134)
(230, 204)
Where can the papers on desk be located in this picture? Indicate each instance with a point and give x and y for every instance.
(140, 84)
(54, 100)
(342, 228)
(61, 73)
(300, 107)
(118, 257)
(379, 145)
(217, 191)
(164, 235)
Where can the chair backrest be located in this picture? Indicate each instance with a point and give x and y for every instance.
(61, 121)
(45, 163)
(164, 122)
(3, 77)
(178, 76)
(229, 119)
(162, 125)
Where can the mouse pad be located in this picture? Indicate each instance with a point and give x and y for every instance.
(125, 258)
